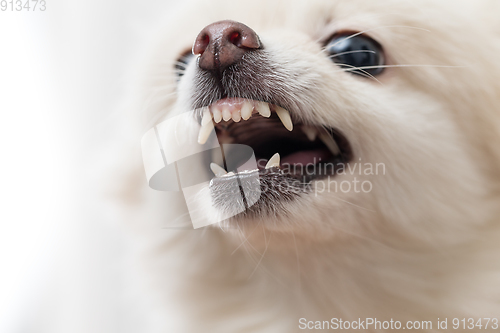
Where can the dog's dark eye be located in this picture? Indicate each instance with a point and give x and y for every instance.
(182, 62)
(356, 52)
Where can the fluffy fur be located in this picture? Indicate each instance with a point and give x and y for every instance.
(422, 245)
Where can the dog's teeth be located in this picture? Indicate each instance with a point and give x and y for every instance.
(226, 114)
(205, 131)
(263, 109)
(310, 132)
(246, 110)
(273, 161)
(285, 118)
(329, 142)
(236, 116)
(217, 170)
(217, 114)
(207, 117)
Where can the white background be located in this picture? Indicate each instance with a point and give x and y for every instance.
(62, 75)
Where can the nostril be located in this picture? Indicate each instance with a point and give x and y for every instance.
(235, 38)
(201, 44)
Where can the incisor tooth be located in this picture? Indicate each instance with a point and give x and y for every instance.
(236, 116)
(310, 132)
(205, 131)
(207, 117)
(273, 161)
(285, 118)
(217, 170)
(217, 114)
(226, 114)
(329, 142)
(263, 109)
(246, 110)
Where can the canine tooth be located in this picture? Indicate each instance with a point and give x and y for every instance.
(207, 117)
(217, 114)
(217, 170)
(263, 109)
(310, 132)
(285, 118)
(205, 131)
(329, 142)
(226, 114)
(236, 116)
(246, 110)
(273, 161)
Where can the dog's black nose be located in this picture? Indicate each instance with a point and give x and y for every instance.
(224, 43)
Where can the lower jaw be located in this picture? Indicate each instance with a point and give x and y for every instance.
(265, 192)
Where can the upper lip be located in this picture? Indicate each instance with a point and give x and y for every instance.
(254, 77)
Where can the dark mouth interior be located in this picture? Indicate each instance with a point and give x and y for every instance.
(300, 157)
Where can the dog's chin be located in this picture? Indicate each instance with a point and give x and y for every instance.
(285, 207)
(292, 223)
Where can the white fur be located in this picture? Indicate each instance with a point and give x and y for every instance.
(422, 244)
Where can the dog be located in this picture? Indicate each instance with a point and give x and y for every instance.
(394, 104)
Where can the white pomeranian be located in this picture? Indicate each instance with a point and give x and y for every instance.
(375, 128)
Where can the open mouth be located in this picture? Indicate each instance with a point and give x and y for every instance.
(300, 151)
(289, 155)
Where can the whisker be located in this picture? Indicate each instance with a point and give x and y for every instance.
(365, 238)
(265, 250)
(263, 268)
(363, 72)
(383, 27)
(392, 66)
(357, 206)
(368, 30)
(349, 52)
(246, 238)
(298, 264)
(182, 216)
(156, 116)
